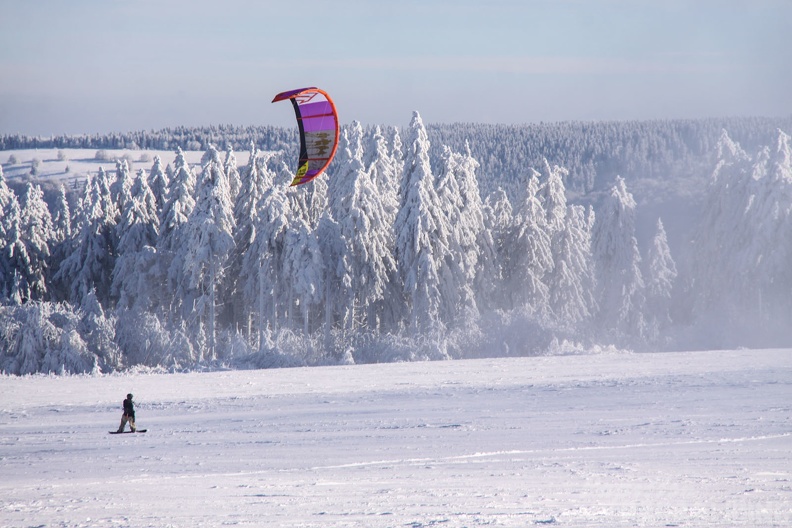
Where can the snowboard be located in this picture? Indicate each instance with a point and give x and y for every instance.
(127, 432)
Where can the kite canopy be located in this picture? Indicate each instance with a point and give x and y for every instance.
(318, 123)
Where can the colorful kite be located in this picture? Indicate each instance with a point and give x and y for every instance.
(318, 123)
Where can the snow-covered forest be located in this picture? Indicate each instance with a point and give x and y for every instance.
(431, 242)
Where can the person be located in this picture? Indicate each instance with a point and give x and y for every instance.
(129, 415)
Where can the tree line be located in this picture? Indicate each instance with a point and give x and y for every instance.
(398, 254)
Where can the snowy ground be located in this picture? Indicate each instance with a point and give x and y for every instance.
(679, 439)
(68, 166)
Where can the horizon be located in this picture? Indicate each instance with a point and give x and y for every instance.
(93, 67)
(403, 126)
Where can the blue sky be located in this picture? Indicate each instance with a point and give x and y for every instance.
(88, 66)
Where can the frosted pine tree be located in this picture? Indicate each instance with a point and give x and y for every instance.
(173, 239)
(121, 188)
(61, 217)
(461, 262)
(384, 171)
(660, 277)
(91, 259)
(261, 274)
(498, 221)
(137, 235)
(232, 173)
(209, 236)
(303, 265)
(748, 279)
(368, 229)
(255, 181)
(62, 232)
(15, 256)
(365, 236)
(571, 284)
(421, 234)
(159, 183)
(529, 251)
(397, 161)
(723, 235)
(552, 194)
(25, 342)
(771, 249)
(42, 337)
(341, 191)
(180, 201)
(5, 270)
(337, 278)
(478, 243)
(37, 234)
(99, 332)
(617, 263)
(6, 197)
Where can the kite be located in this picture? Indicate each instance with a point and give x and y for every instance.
(318, 123)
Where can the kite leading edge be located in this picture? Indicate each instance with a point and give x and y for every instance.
(317, 120)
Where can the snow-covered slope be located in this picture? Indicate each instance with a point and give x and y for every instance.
(676, 439)
(67, 166)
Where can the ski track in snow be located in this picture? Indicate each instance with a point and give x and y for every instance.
(678, 439)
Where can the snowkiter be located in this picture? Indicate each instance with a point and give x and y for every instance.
(129, 415)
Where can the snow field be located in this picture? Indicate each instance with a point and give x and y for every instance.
(66, 165)
(676, 439)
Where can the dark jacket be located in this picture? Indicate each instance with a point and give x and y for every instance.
(129, 408)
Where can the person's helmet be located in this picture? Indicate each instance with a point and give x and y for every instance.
(129, 396)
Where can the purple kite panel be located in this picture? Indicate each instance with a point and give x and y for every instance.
(316, 109)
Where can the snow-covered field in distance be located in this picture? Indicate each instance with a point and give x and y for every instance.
(677, 439)
(66, 165)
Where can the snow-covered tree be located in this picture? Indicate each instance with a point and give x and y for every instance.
(385, 169)
(99, 329)
(477, 241)
(159, 183)
(552, 195)
(180, 202)
(6, 197)
(743, 247)
(372, 262)
(571, 284)
(461, 261)
(723, 233)
(209, 243)
(617, 263)
(91, 258)
(421, 234)
(498, 222)
(660, 277)
(37, 234)
(337, 274)
(121, 188)
(256, 180)
(173, 238)
(43, 337)
(303, 265)
(529, 252)
(262, 264)
(232, 173)
(61, 217)
(16, 261)
(365, 238)
(137, 234)
(771, 248)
